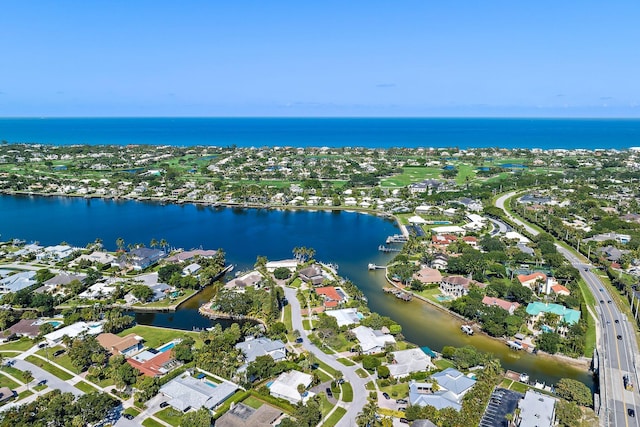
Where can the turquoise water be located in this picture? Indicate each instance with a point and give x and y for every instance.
(210, 384)
(55, 323)
(269, 383)
(166, 347)
(332, 132)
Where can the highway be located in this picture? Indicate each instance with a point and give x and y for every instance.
(615, 341)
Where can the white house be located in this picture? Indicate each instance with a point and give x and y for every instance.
(72, 331)
(290, 264)
(405, 362)
(286, 386)
(371, 341)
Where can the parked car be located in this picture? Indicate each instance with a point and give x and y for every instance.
(401, 401)
(164, 404)
(329, 392)
(128, 416)
(386, 395)
(299, 340)
(58, 353)
(404, 420)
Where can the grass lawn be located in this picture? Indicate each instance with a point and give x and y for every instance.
(14, 372)
(335, 417)
(8, 382)
(155, 337)
(346, 362)
(506, 383)
(390, 413)
(347, 392)
(84, 386)
(253, 402)
(411, 174)
(24, 394)
(325, 405)
(327, 368)
(519, 387)
(131, 411)
(170, 416)
(443, 364)
(370, 386)
(396, 391)
(49, 368)
(40, 387)
(430, 294)
(21, 345)
(150, 422)
(362, 373)
(286, 317)
(63, 360)
(307, 324)
(465, 171)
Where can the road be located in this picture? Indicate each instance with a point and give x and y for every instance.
(618, 356)
(360, 393)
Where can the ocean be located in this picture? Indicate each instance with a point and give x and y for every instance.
(329, 132)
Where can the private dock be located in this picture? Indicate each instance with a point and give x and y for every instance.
(397, 238)
(383, 248)
(372, 266)
(400, 294)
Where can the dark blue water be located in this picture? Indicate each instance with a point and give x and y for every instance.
(332, 132)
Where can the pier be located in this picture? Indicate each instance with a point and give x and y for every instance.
(404, 296)
(383, 248)
(372, 266)
(397, 238)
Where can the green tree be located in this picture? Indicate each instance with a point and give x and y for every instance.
(568, 414)
(282, 273)
(182, 351)
(383, 372)
(199, 418)
(548, 341)
(574, 391)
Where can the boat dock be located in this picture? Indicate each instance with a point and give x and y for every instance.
(372, 266)
(383, 248)
(397, 238)
(400, 294)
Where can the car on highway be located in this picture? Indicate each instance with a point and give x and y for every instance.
(631, 412)
(609, 301)
(619, 337)
(601, 290)
(386, 395)
(601, 301)
(616, 321)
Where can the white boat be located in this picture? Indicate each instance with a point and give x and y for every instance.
(467, 329)
(524, 377)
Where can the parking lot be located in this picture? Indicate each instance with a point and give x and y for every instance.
(501, 403)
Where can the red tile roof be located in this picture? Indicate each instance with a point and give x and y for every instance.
(505, 305)
(526, 278)
(329, 292)
(151, 367)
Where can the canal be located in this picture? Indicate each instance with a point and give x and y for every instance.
(348, 239)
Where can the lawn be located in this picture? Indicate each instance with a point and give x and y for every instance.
(8, 382)
(370, 386)
(131, 411)
(170, 416)
(21, 345)
(346, 362)
(430, 294)
(335, 417)
(14, 372)
(167, 302)
(411, 174)
(327, 368)
(63, 360)
(253, 402)
(465, 172)
(443, 364)
(362, 373)
(84, 386)
(347, 392)
(49, 368)
(150, 422)
(155, 336)
(396, 391)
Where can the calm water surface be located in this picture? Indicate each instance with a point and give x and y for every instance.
(348, 239)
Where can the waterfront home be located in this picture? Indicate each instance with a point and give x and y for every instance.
(312, 275)
(241, 415)
(457, 286)
(99, 290)
(372, 341)
(263, 346)
(503, 304)
(184, 256)
(536, 410)
(26, 251)
(428, 276)
(96, 257)
(286, 386)
(17, 282)
(290, 264)
(72, 331)
(567, 315)
(533, 280)
(55, 253)
(345, 316)
(186, 392)
(191, 269)
(57, 282)
(452, 386)
(449, 229)
(154, 363)
(406, 362)
(332, 296)
(27, 328)
(139, 258)
(239, 284)
(440, 262)
(126, 346)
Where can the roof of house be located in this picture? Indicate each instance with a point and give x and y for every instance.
(536, 409)
(187, 255)
(311, 271)
(345, 316)
(64, 278)
(19, 281)
(154, 366)
(74, 330)
(569, 315)
(329, 292)
(457, 280)
(188, 392)
(407, 361)
(27, 327)
(370, 339)
(5, 393)
(287, 384)
(262, 346)
(242, 415)
(428, 275)
(558, 288)
(527, 278)
(503, 304)
(116, 344)
(453, 380)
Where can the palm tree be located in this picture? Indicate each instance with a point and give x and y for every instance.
(163, 244)
(120, 243)
(28, 377)
(153, 243)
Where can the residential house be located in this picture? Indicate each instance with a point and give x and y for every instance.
(560, 290)
(440, 262)
(427, 275)
(471, 241)
(312, 275)
(345, 316)
(17, 282)
(263, 346)
(406, 362)
(6, 393)
(72, 331)
(470, 204)
(186, 392)
(332, 296)
(532, 281)
(290, 264)
(97, 257)
(286, 386)
(126, 346)
(184, 256)
(536, 410)
(457, 286)
(503, 304)
(153, 364)
(139, 258)
(612, 253)
(60, 280)
(26, 328)
(239, 284)
(191, 269)
(372, 341)
(621, 238)
(449, 229)
(567, 315)
(241, 415)
(453, 385)
(55, 253)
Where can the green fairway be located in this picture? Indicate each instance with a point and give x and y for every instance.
(411, 174)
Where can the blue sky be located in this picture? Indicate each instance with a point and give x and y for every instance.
(328, 58)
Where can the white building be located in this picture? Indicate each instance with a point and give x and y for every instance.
(536, 410)
(290, 264)
(73, 331)
(371, 341)
(286, 386)
(405, 362)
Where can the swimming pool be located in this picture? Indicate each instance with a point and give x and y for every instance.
(166, 347)
(54, 323)
(210, 384)
(269, 384)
